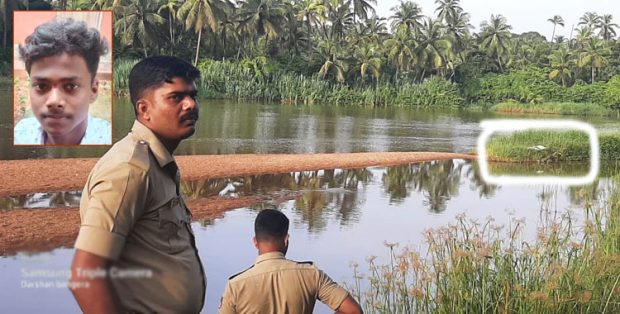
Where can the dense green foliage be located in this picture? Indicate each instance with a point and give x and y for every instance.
(550, 146)
(337, 51)
(531, 86)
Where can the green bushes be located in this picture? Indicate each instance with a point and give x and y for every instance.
(257, 79)
(532, 86)
(436, 93)
(524, 86)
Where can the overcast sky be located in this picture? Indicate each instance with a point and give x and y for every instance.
(522, 15)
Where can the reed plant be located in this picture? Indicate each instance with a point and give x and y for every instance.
(571, 265)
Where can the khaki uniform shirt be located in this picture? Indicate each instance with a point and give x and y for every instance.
(277, 285)
(133, 214)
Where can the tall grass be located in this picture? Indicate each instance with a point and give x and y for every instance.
(482, 267)
(561, 108)
(558, 146)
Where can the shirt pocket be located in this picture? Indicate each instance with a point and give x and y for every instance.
(174, 225)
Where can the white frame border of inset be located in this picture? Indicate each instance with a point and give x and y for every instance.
(491, 126)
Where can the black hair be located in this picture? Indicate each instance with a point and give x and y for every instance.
(64, 36)
(270, 224)
(152, 72)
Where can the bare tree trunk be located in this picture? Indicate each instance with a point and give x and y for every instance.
(171, 34)
(499, 61)
(198, 47)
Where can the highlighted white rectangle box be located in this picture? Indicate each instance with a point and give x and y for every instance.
(491, 126)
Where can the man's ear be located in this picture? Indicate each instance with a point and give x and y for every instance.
(255, 242)
(143, 109)
(286, 240)
(94, 88)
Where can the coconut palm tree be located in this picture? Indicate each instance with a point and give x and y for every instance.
(333, 62)
(583, 35)
(556, 20)
(369, 61)
(447, 9)
(340, 18)
(362, 7)
(229, 36)
(262, 17)
(562, 64)
(294, 37)
(594, 55)
(606, 27)
(312, 12)
(139, 23)
(434, 50)
(200, 13)
(401, 51)
(457, 27)
(589, 19)
(494, 36)
(407, 14)
(376, 29)
(170, 7)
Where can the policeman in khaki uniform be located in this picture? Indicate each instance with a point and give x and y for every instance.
(135, 228)
(277, 285)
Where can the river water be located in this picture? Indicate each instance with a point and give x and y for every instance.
(339, 217)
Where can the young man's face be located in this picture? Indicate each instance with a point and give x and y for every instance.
(171, 110)
(61, 89)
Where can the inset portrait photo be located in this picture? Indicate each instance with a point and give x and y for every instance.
(62, 78)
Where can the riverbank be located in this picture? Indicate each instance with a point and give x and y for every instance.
(46, 229)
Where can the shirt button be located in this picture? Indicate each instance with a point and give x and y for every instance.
(142, 142)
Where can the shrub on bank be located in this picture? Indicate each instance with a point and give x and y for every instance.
(532, 86)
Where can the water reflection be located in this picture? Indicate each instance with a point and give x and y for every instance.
(562, 169)
(319, 192)
(438, 181)
(42, 200)
(477, 183)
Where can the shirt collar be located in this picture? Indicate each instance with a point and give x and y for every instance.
(141, 132)
(268, 256)
(40, 135)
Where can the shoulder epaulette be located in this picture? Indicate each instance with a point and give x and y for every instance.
(239, 273)
(140, 156)
(306, 262)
